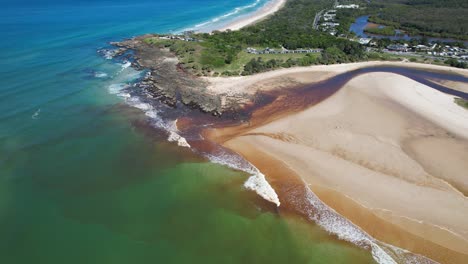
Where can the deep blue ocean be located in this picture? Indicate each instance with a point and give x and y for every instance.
(83, 180)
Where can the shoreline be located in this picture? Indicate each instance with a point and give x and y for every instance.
(282, 83)
(291, 151)
(432, 233)
(296, 76)
(260, 14)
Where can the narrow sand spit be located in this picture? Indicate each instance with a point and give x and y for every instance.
(386, 152)
(283, 78)
(270, 8)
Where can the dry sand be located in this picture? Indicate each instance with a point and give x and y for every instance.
(386, 152)
(270, 8)
(459, 86)
(283, 78)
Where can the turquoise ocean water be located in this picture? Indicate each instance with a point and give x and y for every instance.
(82, 177)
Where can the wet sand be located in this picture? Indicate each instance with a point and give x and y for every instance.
(386, 152)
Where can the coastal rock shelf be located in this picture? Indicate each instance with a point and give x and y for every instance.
(170, 83)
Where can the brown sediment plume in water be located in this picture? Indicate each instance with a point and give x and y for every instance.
(377, 130)
(291, 190)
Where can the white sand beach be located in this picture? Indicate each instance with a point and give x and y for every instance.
(386, 152)
(302, 75)
(262, 13)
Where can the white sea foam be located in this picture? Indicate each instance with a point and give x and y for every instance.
(100, 74)
(181, 141)
(336, 224)
(126, 64)
(260, 185)
(256, 182)
(116, 88)
(225, 16)
(108, 53)
(124, 95)
(158, 122)
(36, 114)
(324, 216)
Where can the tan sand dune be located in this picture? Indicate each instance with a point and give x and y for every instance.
(386, 152)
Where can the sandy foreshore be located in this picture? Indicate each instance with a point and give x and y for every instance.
(386, 152)
(262, 13)
(290, 77)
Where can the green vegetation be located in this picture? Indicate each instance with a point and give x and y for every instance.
(434, 18)
(386, 31)
(456, 63)
(259, 64)
(223, 53)
(462, 102)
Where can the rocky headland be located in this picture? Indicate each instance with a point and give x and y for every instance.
(168, 82)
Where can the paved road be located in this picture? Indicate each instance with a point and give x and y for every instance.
(317, 18)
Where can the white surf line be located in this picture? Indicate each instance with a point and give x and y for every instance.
(36, 114)
(344, 229)
(256, 182)
(237, 10)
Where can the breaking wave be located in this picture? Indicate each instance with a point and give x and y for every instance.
(227, 16)
(100, 75)
(314, 209)
(108, 54)
(256, 182)
(36, 114)
(144, 102)
(344, 229)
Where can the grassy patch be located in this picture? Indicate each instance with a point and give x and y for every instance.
(206, 59)
(462, 102)
(243, 58)
(386, 31)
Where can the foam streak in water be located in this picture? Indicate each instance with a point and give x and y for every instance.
(336, 224)
(36, 114)
(259, 184)
(256, 182)
(236, 11)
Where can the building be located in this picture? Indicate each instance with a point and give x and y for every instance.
(329, 15)
(421, 47)
(330, 24)
(364, 41)
(397, 47)
(353, 6)
(283, 51)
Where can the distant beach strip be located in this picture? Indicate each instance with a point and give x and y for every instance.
(240, 17)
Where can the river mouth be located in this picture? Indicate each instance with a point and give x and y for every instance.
(204, 135)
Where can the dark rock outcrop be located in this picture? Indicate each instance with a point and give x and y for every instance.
(169, 83)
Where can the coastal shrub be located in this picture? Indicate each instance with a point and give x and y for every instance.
(434, 18)
(462, 102)
(386, 31)
(456, 63)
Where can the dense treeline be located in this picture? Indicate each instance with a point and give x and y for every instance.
(456, 63)
(291, 28)
(331, 55)
(437, 18)
(223, 53)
